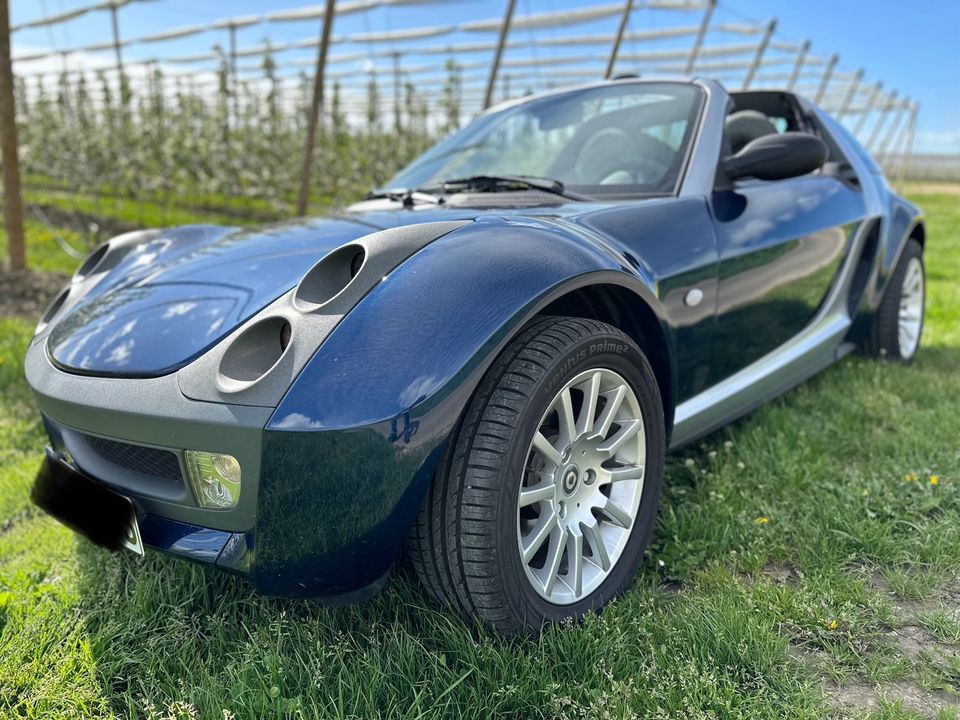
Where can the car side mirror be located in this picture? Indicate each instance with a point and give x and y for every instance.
(777, 157)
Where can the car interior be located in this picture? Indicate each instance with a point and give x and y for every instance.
(620, 148)
(754, 114)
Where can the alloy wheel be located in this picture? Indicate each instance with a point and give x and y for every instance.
(582, 484)
(910, 319)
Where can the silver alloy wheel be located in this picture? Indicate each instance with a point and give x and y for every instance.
(582, 484)
(910, 320)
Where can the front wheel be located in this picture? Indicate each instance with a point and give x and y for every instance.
(548, 493)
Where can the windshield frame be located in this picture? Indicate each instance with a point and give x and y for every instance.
(691, 136)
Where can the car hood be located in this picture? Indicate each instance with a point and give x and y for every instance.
(170, 299)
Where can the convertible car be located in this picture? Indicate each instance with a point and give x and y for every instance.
(483, 364)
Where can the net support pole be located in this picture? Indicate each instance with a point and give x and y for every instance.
(825, 80)
(615, 50)
(798, 66)
(892, 132)
(881, 121)
(315, 105)
(234, 78)
(12, 202)
(850, 94)
(761, 50)
(698, 40)
(868, 107)
(118, 54)
(498, 55)
(396, 93)
(906, 148)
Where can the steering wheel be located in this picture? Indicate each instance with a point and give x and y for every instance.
(611, 152)
(639, 171)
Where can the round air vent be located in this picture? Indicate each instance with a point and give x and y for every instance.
(329, 277)
(254, 352)
(93, 260)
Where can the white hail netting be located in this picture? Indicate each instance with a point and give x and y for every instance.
(222, 129)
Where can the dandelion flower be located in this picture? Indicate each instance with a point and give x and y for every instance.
(910, 477)
(762, 520)
(934, 479)
(833, 625)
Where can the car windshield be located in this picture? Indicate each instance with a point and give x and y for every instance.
(624, 138)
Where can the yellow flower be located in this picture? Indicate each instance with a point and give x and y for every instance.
(762, 520)
(833, 625)
(934, 479)
(910, 477)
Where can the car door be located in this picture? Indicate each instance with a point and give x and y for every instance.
(781, 244)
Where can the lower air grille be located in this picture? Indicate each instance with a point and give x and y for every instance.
(154, 462)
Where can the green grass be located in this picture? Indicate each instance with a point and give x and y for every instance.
(791, 548)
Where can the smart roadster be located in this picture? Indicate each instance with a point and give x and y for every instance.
(485, 362)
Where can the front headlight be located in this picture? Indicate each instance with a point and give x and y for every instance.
(214, 477)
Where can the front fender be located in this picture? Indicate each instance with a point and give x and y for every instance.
(355, 442)
(440, 317)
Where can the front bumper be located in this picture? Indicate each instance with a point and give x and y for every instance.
(90, 420)
(294, 530)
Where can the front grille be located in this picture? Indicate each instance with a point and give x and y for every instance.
(153, 462)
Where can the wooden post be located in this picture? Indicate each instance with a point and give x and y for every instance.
(116, 39)
(121, 78)
(867, 108)
(827, 74)
(851, 94)
(315, 107)
(906, 148)
(12, 202)
(882, 150)
(504, 31)
(881, 121)
(761, 49)
(233, 75)
(698, 41)
(801, 57)
(615, 50)
(397, 123)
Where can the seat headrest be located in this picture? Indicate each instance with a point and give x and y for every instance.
(745, 125)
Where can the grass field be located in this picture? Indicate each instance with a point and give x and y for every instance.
(806, 562)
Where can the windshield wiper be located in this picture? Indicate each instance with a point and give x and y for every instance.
(498, 183)
(407, 196)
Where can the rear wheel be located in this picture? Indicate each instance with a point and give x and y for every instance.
(899, 321)
(547, 496)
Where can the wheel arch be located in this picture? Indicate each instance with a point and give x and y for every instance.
(624, 309)
(919, 233)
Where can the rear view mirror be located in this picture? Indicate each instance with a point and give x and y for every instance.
(561, 114)
(777, 157)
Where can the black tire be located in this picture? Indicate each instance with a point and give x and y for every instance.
(464, 543)
(883, 341)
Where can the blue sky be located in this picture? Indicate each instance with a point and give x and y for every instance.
(913, 48)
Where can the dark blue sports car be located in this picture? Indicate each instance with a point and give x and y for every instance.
(486, 361)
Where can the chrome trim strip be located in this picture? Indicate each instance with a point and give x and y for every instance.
(815, 347)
